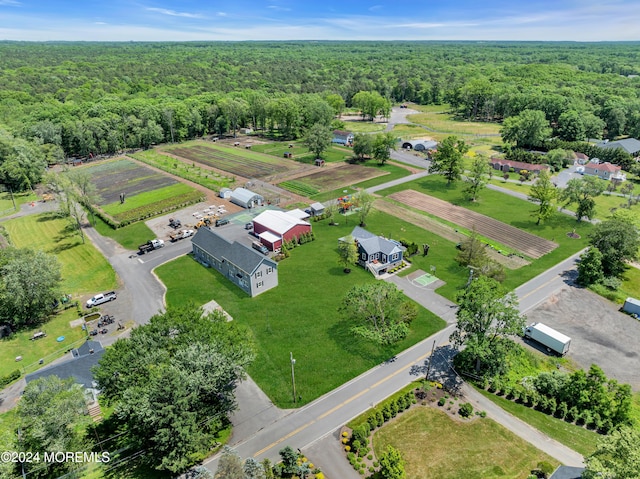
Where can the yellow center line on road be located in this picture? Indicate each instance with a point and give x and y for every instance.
(334, 409)
(555, 278)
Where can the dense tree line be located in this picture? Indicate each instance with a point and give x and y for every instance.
(77, 99)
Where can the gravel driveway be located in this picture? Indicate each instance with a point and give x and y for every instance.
(599, 333)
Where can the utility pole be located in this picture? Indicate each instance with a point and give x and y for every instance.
(293, 377)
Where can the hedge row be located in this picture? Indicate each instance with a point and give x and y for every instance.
(9, 378)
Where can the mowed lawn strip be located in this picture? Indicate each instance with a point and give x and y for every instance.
(299, 316)
(574, 437)
(147, 198)
(84, 269)
(435, 446)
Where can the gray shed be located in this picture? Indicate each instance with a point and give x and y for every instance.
(225, 193)
(632, 306)
(317, 209)
(246, 198)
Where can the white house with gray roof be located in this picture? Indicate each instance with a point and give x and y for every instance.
(376, 253)
(630, 145)
(251, 271)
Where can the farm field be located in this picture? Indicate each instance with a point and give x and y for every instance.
(301, 153)
(235, 161)
(327, 179)
(113, 177)
(435, 446)
(528, 244)
(440, 119)
(84, 269)
(312, 328)
(202, 176)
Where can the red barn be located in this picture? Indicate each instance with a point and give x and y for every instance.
(272, 227)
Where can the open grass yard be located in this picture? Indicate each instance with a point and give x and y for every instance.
(359, 126)
(154, 200)
(47, 348)
(528, 244)
(236, 161)
(578, 438)
(327, 179)
(300, 315)
(440, 119)
(113, 177)
(301, 153)
(129, 236)
(84, 269)
(512, 211)
(435, 446)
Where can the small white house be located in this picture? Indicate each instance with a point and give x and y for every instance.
(225, 193)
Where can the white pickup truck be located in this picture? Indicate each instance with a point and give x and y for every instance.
(101, 298)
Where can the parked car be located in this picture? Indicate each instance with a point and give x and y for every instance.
(222, 222)
(248, 226)
(101, 298)
(260, 247)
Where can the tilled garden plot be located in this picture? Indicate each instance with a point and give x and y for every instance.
(527, 243)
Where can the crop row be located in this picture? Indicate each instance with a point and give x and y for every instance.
(299, 188)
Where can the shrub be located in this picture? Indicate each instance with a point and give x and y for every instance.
(345, 440)
(466, 410)
(348, 448)
(441, 401)
(345, 434)
(572, 414)
(379, 418)
(545, 469)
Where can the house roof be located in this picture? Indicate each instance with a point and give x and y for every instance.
(519, 164)
(236, 253)
(630, 145)
(244, 195)
(373, 244)
(567, 472)
(269, 237)
(580, 156)
(298, 213)
(317, 206)
(78, 368)
(278, 221)
(341, 133)
(603, 166)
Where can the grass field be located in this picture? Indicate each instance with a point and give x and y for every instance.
(47, 348)
(364, 126)
(440, 119)
(301, 153)
(6, 204)
(129, 237)
(84, 269)
(299, 187)
(435, 446)
(312, 329)
(512, 211)
(575, 437)
(146, 198)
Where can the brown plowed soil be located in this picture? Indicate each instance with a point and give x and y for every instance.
(526, 243)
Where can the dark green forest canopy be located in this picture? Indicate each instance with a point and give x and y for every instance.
(82, 97)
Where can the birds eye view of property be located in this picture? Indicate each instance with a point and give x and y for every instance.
(276, 239)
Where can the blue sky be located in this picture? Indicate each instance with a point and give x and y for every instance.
(178, 20)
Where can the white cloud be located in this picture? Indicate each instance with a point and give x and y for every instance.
(173, 13)
(375, 8)
(278, 8)
(100, 23)
(9, 3)
(221, 14)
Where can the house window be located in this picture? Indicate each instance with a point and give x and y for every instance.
(259, 274)
(269, 270)
(260, 284)
(364, 256)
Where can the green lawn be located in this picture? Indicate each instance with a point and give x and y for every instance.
(129, 237)
(6, 204)
(47, 348)
(84, 269)
(301, 153)
(512, 211)
(435, 446)
(575, 437)
(312, 329)
(440, 119)
(364, 126)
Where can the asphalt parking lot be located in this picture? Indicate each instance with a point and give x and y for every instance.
(599, 333)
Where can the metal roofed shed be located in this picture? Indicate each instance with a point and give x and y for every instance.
(246, 198)
(316, 209)
(419, 145)
(225, 193)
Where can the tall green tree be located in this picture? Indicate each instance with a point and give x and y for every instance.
(476, 178)
(50, 413)
(590, 267)
(229, 465)
(363, 145)
(448, 159)
(617, 456)
(336, 102)
(618, 241)
(318, 139)
(486, 314)
(583, 191)
(570, 126)
(379, 312)
(172, 382)
(29, 286)
(392, 464)
(234, 109)
(527, 129)
(347, 253)
(383, 143)
(364, 202)
(543, 192)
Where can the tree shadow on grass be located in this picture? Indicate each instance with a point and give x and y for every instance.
(356, 346)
